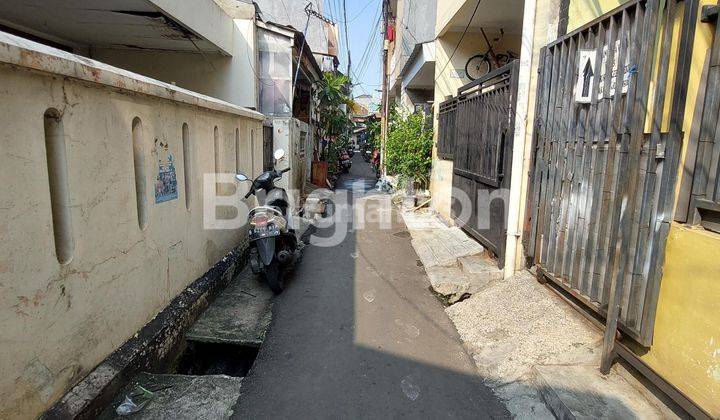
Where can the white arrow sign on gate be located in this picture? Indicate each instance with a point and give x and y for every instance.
(585, 76)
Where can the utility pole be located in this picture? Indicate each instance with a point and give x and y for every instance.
(349, 75)
(347, 39)
(384, 105)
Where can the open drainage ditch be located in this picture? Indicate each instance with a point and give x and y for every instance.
(205, 370)
(216, 359)
(205, 380)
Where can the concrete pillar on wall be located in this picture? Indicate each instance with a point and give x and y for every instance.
(540, 24)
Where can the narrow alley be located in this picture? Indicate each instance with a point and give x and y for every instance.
(357, 334)
(331, 209)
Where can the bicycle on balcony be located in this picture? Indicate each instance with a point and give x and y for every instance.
(481, 64)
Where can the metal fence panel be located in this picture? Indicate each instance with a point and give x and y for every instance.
(601, 183)
(705, 197)
(446, 129)
(484, 119)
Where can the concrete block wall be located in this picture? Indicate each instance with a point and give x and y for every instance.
(58, 320)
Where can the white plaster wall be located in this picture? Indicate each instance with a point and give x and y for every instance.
(446, 11)
(547, 16)
(286, 136)
(58, 322)
(230, 78)
(414, 24)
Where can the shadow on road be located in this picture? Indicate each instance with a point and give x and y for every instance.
(358, 334)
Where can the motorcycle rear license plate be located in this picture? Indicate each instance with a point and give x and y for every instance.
(346, 162)
(264, 232)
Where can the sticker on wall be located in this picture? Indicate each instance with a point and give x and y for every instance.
(457, 73)
(166, 181)
(586, 76)
(609, 93)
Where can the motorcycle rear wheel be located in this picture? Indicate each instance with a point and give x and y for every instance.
(273, 277)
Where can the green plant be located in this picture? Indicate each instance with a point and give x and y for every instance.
(373, 133)
(408, 150)
(333, 151)
(333, 104)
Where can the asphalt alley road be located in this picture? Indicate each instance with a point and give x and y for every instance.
(357, 334)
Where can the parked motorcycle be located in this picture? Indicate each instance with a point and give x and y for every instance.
(273, 244)
(344, 162)
(375, 163)
(367, 153)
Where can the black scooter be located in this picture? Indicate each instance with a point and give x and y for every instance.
(367, 153)
(344, 162)
(273, 244)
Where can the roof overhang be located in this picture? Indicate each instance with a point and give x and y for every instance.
(284, 30)
(23, 53)
(166, 25)
(491, 14)
(419, 70)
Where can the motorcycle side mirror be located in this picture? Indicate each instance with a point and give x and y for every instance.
(241, 177)
(279, 154)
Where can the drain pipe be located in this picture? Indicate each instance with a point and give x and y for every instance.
(514, 224)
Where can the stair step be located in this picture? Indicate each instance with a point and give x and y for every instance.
(453, 283)
(448, 281)
(480, 265)
(422, 220)
(443, 247)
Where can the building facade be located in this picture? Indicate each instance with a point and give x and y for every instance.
(411, 53)
(118, 136)
(588, 159)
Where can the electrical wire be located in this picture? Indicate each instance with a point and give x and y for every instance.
(286, 11)
(302, 48)
(360, 73)
(374, 48)
(371, 42)
(354, 18)
(364, 59)
(405, 25)
(375, 45)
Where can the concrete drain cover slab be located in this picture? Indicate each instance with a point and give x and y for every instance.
(442, 247)
(180, 397)
(240, 315)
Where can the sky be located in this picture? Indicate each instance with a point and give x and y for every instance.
(362, 16)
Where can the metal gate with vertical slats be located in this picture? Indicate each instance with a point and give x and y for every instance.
(446, 129)
(705, 196)
(601, 190)
(484, 118)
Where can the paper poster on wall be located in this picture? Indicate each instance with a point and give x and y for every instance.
(166, 181)
(585, 76)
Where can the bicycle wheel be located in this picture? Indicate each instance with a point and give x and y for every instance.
(477, 66)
